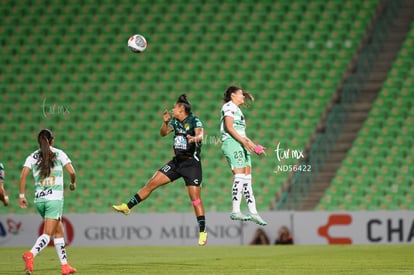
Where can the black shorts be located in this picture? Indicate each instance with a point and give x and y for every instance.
(189, 169)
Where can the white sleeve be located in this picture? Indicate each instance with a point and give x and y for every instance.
(30, 161)
(229, 110)
(64, 159)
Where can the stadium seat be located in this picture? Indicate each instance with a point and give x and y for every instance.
(79, 59)
(377, 162)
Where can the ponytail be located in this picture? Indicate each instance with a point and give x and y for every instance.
(248, 98)
(46, 156)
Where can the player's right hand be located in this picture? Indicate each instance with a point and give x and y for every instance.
(166, 116)
(23, 203)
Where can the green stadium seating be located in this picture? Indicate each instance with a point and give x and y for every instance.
(379, 161)
(290, 54)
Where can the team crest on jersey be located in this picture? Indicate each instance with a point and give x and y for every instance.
(187, 126)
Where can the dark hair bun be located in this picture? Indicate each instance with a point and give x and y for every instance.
(183, 99)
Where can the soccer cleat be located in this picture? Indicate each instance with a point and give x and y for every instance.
(238, 217)
(28, 262)
(123, 208)
(256, 218)
(67, 269)
(202, 240)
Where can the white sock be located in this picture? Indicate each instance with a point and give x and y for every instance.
(40, 244)
(237, 192)
(248, 193)
(61, 250)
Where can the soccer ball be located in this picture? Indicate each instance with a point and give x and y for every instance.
(137, 43)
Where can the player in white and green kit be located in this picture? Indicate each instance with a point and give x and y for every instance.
(46, 165)
(3, 197)
(236, 147)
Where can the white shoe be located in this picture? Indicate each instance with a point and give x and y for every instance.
(238, 217)
(257, 219)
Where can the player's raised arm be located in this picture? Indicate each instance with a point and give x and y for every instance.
(165, 128)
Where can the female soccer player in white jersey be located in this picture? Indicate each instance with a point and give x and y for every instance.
(186, 164)
(3, 197)
(47, 165)
(236, 147)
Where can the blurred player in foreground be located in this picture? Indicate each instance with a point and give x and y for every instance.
(47, 165)
(3, 197)
(237, 147)
(188, 136)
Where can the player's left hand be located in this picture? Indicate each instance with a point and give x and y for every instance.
(191, 139)
(72, 186)
(6, 200)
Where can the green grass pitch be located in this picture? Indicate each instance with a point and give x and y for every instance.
(352, 259)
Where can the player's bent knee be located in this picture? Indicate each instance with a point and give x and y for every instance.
(196, 202)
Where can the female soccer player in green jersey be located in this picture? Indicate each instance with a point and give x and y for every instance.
(236, 147)
(188, 135)
(47, 165)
